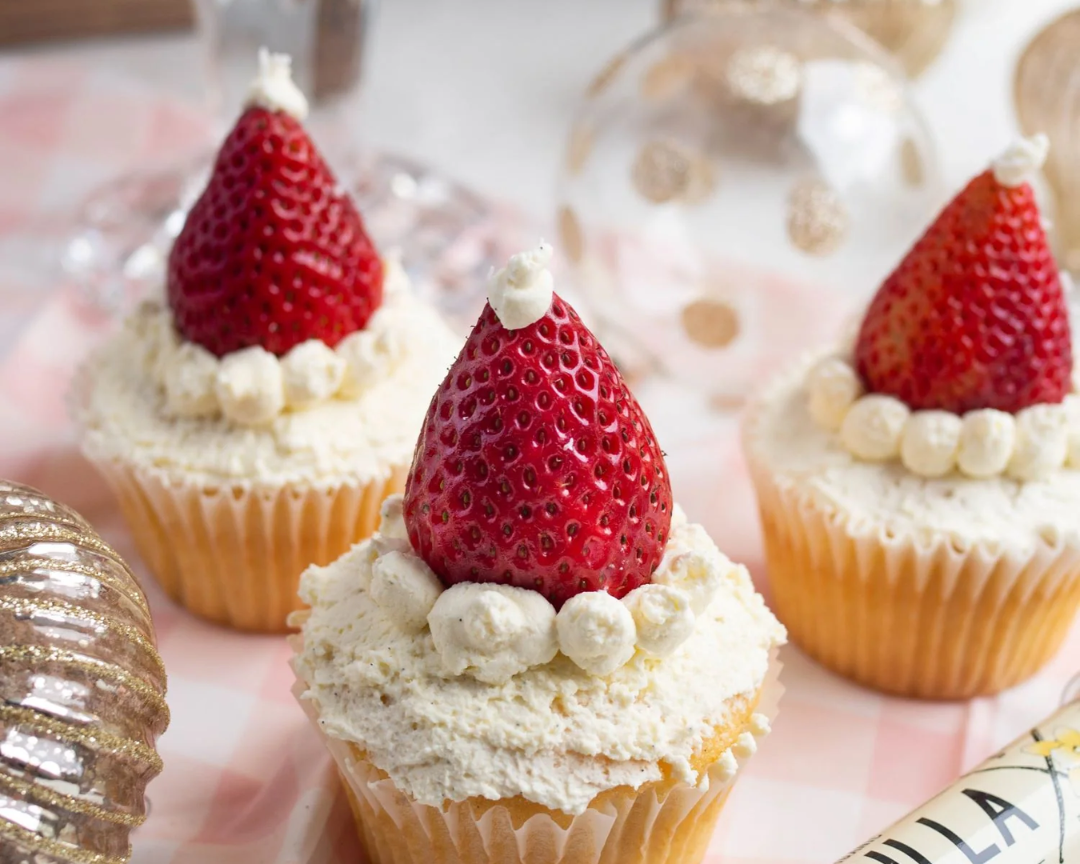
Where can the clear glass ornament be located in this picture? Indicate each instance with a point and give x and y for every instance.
(734, 185)
(913, 31)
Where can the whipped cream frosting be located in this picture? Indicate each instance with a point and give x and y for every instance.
(273, 87)
(520, 294)
(251, 387)
(1021, 161)
(493, 632)
(1030, 445)
(486, 701)
(316, 416)
(974, 504)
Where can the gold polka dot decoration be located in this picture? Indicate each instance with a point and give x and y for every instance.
(913, 31)
(911, 166)
(666, 171)
(668, 77)
(570, 234)
(710, 323)
(1047, 94)
(764, 75)
(817, 221)
(606, 75)
(580, 147)
(83, 688)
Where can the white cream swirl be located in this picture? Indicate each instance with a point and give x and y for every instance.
(1030, 445)
(1021, 161)
(251, 387)
(493, 632)
(274, 88)
(521, 292)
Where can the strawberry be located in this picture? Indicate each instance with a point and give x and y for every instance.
(273, 253)
(536, 466)
(974, 316)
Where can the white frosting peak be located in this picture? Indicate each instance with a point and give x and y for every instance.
(274, 88)
(521, 292)
(1021, 161)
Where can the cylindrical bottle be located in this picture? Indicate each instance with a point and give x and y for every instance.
(1020, 806)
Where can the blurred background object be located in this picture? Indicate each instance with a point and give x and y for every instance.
(23, 21)
(735, 184)
(913, 31)
(1047, 97)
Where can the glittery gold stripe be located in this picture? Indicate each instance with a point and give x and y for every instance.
(97, 740)
(44, 796)
(24, 606)
(57, 513)
(27, 529)
(120, 586)
(56, 849)
(38, 654)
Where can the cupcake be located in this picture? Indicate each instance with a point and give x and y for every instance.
(536, 658)
(920, 490)
(253, 419)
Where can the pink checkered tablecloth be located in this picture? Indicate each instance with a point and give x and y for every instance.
(246, 781)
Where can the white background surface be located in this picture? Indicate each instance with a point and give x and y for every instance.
(484, 89)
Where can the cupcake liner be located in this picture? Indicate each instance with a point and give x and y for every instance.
(914, 616)
(234, 555)
(666, 822)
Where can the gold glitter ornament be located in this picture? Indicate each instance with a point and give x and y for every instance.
(82, 687)
(1047, 93)
(913, 31)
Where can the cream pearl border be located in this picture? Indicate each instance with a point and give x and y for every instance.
(493, 632)
(1030, 445)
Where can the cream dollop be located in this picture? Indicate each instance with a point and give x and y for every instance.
(274, 88)
(245, 389)
(873, 427)
(663, 618)
(1021, 161)
(987, 438)
(520, 293)
(312, 373)
(930, 443)
(692, 564)
(250, 387)
(981, 444)
(596, 631)
(190, 381)
(1042, 442)
(492, 632)
(405, 589)
(834, 386)
(370, 354)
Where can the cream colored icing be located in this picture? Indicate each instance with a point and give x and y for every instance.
(1021, 161)
(985, 443)
(551, 732)
(520, 294)
(998, 510)
(148, 398)
(273, 87)
(251, 387)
